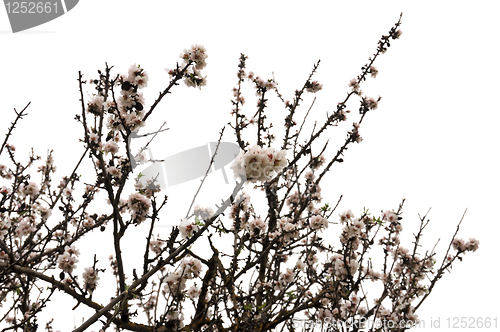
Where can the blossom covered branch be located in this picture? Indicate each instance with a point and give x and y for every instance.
(264, 259)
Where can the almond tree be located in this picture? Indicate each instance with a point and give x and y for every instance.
(280, 272)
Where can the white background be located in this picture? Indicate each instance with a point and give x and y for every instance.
(433, 140)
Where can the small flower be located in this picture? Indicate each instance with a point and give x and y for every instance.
(95, 105)
(4, 227)
(313, 87)
(193, 292)
(300, 265)
(371, 103)
(258, 164)
(24, 228)
(156, 246)
(354, 85)
(67, 261)
(345, 216)
(318, 222)
(472, 244)
(459, 244)
(288, 276)
(196, 54)
(5, 190)
(90, 279)
(31, 189)
(257, 226)
(396, 34)
(141, 158)
(390, 216)
(45, 212)
(111, 147)
(140, 205)
(67, 191)
(195, 79)
(138, 76)
(191, 267)
(187, 228)
(114, 172)
(88, 222)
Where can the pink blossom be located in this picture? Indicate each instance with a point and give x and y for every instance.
(4, 227)
(257, 226)
(313, 87)
(90, 279)
(472, 244)
(390, 216)
(318, 222)
(24, 228)
(187, 228)
(300, 265)
(5, 190)
(31, 189)
(156, 246)
(67, 261)
(196, 54)
(111, 147)
(347, 215)
(459, 244)
(193, 292)
(139, 205)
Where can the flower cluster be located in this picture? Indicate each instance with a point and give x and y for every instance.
(340, 269)
(257, 226)
(94, 106)
(129, 112)
(260, 84)
(137, 76)
(139, 205)
(25, 227)
(460, 245)
(285, 279)
(371, 103)
(5, 173)
(287, 228)
(195, 55)
(4, 226)
(258, 164)
(354, 85)
(242, 209)
(31, 189)
(193, 292)
(67, 261)
(175, 282)
(90, 279)
(187, 228)
(156, 245)
(49, 166)
(318, 222)
(354, 134)
(313, 87)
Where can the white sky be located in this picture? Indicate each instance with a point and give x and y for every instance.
(433, 140)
